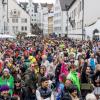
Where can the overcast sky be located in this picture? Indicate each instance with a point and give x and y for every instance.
(48, 1)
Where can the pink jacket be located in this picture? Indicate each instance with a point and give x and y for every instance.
(64, 69)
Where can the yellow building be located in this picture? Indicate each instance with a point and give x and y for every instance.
(50, 24)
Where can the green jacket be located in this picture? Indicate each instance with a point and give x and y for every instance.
(8, 81)
(73, 76)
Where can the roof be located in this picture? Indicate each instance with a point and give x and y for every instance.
(44, 4)
(24, 5)
(66, 3)
(35, 4)
(50, 7)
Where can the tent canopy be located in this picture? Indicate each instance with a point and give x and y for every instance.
(30, 35)
(5, 36)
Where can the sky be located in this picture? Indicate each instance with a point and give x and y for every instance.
(40, 1)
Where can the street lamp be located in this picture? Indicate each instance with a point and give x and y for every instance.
(83, 20)
(5, 3)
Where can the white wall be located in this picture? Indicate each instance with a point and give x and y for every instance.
(91, 14)
(60, 18)
(92, 11)
(22, 14)
(57, 18)
(64, 22)
(77, 9)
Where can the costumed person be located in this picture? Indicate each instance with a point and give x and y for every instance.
(7, 79)
(4, 93)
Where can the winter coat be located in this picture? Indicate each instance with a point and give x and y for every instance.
(65, 94)
(64, 69)
(7, 98)
(8, 81)
(73, 76)
(28, 95)
(29, 77)
(21, 92)
(45, 93)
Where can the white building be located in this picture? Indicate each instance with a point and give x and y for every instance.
(91, 15)
(46, 8)
(18, 18)
(34, 10)
(60, 17)
(38, 13)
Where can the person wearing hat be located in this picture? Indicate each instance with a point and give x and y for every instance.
(7, 79)
(4, 93)
(44, 92)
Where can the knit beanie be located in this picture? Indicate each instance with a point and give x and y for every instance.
(4, 88)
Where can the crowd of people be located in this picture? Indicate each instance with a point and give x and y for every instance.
(49, 69)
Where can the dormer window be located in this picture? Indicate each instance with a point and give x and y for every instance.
(14, 12)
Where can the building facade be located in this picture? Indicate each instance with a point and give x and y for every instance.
(82, 13)
(33, 10)
(60, 17)
(18, 18)
(38, 13)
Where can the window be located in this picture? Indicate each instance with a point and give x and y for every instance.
(25, 28)
(14, 12)
(15, 20)
(24, 20)
(22, 28)
(16, 28)
(8, 20)
(35, 9)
